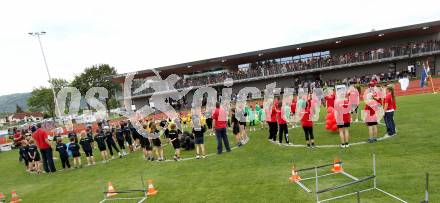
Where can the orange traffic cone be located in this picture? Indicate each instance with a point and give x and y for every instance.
(294, 177)
(111, 190)
(151, 190)
(15, 198)
(337, 166)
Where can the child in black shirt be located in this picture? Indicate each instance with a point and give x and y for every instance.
(24, 148)
(146, 144)
(34, 156)
(199, 134)
(86, 144)
(111, 142)
(62, 149)
(74, 148)
(173, 138)
(100, 141)
(120, 138)
(157, 144)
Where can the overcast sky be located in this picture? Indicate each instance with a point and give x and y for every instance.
(135, 35)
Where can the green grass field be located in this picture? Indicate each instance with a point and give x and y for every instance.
(259, 171)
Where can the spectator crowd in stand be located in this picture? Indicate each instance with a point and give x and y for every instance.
(273, 68)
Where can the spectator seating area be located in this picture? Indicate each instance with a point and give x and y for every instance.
(271, 68)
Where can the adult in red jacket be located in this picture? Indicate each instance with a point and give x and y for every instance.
(43, 144)
(390, 107)
(219, 119)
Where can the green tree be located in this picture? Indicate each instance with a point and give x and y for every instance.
(97, 76)
(42, 100)
(18, 109)
(58, 83)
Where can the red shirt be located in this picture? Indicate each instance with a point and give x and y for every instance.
(305, 120)
(343, 109)
(219, 116)
(280, 115)
(330, 100)
(273, 114)
(293, 106)
(40, 137)
(371, 116)
(390, 102)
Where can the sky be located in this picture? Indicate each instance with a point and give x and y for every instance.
(135, 35)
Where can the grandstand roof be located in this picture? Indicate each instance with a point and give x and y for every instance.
(292, 50)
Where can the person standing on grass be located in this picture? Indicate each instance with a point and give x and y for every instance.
(120, 138)
(219, 119)
(236, 128)
(86, 144)
(209, 122)
(34, 156)
(343, 118)
(100, 141)
(293, 111)
(307, 125)
(111, 142)
(272, 121)
(74, 148)
(199, 133)
(390, 107)
(64, 156)
(282, 124)
(40, 137)
(157, 144)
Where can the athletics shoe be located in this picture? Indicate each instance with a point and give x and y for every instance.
(197, 157)
(342, 145)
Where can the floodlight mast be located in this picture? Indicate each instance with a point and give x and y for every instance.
(38, 34)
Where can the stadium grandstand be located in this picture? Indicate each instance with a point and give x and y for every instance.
(354, 59)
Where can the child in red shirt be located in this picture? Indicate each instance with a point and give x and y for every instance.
(283, 130)
(343, 119)
(307, 125)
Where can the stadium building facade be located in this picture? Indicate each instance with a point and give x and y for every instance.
(387, 54)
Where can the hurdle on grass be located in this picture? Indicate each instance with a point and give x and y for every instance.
(372, 177)
(355, 180)
(141, 199)
(305, 188)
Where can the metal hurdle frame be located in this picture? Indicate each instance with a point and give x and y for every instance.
(141, 199)
(374, 177)
(305, 188)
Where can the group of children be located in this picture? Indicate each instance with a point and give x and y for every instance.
(347, 100)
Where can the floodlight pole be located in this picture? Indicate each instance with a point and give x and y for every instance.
(37, 34)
